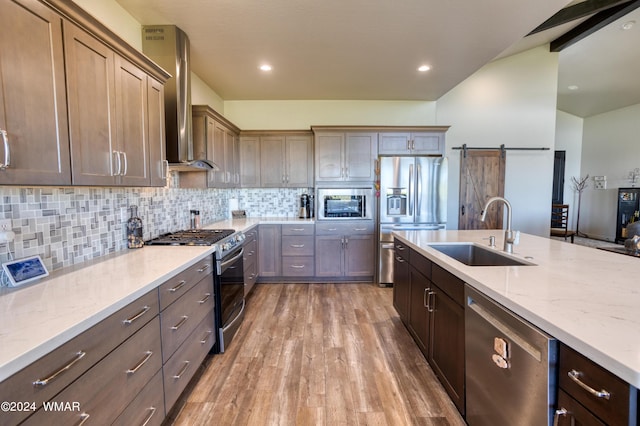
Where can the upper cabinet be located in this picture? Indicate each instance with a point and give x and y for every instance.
(345, 156)
(415, 143)
(216, 139)
(70, 72)
(277, 159)
(33, 105)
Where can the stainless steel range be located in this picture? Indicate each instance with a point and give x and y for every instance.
(228, 281)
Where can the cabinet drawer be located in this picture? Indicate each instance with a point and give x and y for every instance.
(575, 414)
(185, 362)
(183, 316)
(94, 343)
(175, 287)
(449, 283)
(614, 410)
(106, 389)
(297, 246)
(421, 263)
(250, 252)
(351, 227)
(401, 249)
(251, 235)
(147, 408)
(298, 229)
(298, 266)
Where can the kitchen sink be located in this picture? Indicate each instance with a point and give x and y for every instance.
(474, 255)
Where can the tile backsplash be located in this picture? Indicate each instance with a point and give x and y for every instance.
(70, 225)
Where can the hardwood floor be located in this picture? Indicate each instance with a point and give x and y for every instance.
(318, 354)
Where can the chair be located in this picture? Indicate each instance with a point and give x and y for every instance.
(560, 222)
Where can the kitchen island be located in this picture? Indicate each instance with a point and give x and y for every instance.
(586, 298)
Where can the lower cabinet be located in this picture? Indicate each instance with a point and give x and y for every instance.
(250, 260)
(269, 250)
(429, 301)
(131, 367)
(345, 250)
(591, 395)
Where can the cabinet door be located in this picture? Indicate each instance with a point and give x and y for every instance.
(394, 143)
(230, 157)
(360, 152)
(329, 157)
(329, 256)
(33, 106)
(359, 256)
(419, 316)
(131, 105)
(91, 91)
(298, 161)
(401, 287)
(269, 251)
(155, 124)
(427, 143)
(250, 162)
(215, 152)
(446, 346)
(272, 173)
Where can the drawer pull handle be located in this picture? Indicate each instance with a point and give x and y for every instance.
(359, 229)
(298, 266)
(297, 245)
(141, 363)
(332, 229)
(559, 412)
(148, 419)
(206, 337)
(297, 229)
(399, 247)
(177, 287)
(179, 375)
(399, 259)
(182, 321)
(52, 377)
(136, 316)
(206, 297)
(575, 376)
(204, 268)
(83, 418)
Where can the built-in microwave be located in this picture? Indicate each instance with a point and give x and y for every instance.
(344, 203)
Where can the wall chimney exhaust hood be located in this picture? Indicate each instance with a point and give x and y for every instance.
(168, 46)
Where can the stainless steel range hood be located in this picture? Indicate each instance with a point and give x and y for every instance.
(168, 46)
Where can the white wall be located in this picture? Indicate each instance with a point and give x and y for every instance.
(510, 101)
(610, 148)
(111, 14)
(300, 115)
(569, 131)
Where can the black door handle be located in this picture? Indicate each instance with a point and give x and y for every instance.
(462, 210)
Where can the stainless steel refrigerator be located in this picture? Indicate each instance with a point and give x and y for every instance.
(413, 196)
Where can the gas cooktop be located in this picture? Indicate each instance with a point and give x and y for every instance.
(192, 237)
(621, 250)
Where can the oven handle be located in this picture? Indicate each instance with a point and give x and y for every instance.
(225, 328)
(222, 266)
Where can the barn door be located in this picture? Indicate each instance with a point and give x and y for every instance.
(481, 177)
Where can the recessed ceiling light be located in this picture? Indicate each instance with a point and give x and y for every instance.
(628, 25)
(265, 67)
(424, 68)
(572, 87)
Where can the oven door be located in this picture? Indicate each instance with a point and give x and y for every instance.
(230, 293)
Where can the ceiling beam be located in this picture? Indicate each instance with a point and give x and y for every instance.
(593, 24)
(576, 11)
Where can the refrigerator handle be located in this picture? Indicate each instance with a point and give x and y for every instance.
(419, 188)
(410, 190)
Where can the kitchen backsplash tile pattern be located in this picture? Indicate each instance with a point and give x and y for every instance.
(70, 225)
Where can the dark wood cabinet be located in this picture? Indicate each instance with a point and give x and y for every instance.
(571, 413)
(430, 300)
(401, 281)
(628, 204)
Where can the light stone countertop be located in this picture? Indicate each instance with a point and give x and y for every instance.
(587, 298)
(38, 317)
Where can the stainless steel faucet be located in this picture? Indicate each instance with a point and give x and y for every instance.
(509, 236)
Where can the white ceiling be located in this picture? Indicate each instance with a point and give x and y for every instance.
(362, 49)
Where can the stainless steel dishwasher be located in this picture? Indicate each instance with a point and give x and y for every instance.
(510, 366)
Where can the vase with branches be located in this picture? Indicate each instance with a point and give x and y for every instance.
(579, 185)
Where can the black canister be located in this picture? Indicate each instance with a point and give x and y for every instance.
(311, 207)
(303, 212)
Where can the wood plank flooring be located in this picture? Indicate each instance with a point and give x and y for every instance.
(318, 354)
